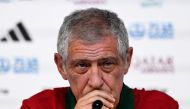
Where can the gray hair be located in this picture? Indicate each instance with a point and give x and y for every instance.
(92, 25)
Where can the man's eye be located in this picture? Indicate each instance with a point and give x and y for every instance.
(81, 67)
(108, 66)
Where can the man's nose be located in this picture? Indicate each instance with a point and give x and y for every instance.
(95, 77)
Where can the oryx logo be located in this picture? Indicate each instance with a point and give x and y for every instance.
(19, 33)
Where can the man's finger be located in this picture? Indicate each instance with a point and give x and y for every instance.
(103, 94)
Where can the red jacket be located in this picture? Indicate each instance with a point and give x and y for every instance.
(55, 99)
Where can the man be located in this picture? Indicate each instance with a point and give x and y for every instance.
(94, 55)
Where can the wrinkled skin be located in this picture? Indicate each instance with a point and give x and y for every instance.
(95, 72)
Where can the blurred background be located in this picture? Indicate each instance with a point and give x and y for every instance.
(159, 31)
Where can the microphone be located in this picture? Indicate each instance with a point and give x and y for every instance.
(97, 104)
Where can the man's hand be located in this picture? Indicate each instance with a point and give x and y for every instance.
(86, 101)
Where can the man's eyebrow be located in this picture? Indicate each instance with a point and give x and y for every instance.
(74, 61)
(108, 58)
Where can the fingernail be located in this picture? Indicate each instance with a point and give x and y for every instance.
(113, 99)
(112, 105)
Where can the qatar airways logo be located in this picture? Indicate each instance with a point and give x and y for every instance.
(19, 65)
(154, 64)
(151, 30)
(152, 3)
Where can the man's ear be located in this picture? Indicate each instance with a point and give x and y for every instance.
(58, 62)
(129, 57)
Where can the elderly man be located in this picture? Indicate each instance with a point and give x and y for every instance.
(94, 55)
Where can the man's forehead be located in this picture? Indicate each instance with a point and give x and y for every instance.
(110, 39)
(105, 45)
(104, 57)
(80, 49)
(92, 55)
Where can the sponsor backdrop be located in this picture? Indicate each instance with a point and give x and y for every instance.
(158, 31)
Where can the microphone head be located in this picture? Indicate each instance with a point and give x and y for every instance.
(97, 104)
